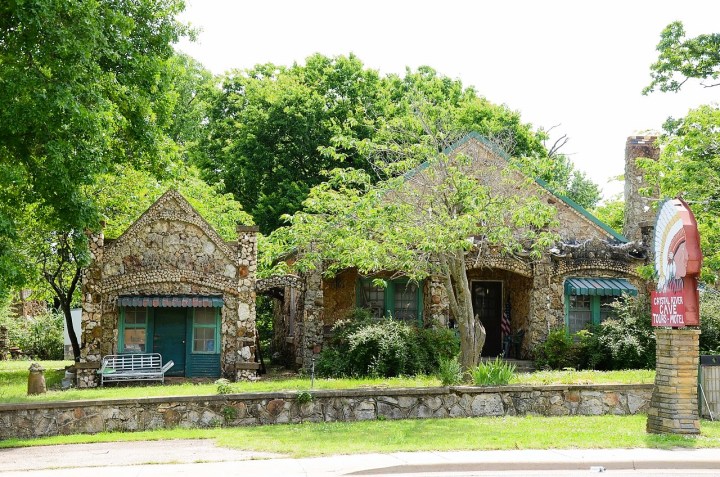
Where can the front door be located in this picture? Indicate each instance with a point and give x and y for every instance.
(487, 304)
(169, 337)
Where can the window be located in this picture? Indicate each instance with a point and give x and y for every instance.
(205, 330)
(133, 329)
(589, 300)
(401, 299)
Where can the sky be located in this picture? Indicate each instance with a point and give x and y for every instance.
(577, 66)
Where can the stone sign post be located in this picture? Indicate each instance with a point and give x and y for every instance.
(676, 314)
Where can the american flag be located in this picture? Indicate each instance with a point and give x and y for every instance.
(505, 321)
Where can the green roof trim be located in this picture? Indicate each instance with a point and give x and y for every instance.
(497, 150)
(599, 287)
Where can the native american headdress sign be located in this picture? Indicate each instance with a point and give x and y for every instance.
(677, 263)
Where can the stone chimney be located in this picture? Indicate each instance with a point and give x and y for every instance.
(639, 213)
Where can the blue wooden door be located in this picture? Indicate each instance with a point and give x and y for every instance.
(169, 337)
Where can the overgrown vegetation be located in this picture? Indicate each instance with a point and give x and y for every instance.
(39, 337)
(363, 346)
(493, 373)
(625, 341)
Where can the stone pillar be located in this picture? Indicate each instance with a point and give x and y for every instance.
(437, 310)
(638, 209)
(674, 403)
(544, 314)
(312, 320)
(239, 357)
(91, 322)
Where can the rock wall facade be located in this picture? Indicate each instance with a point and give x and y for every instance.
(171, 250)
(89, 417)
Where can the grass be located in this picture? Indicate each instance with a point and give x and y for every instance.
(501, 433)
(13, 383)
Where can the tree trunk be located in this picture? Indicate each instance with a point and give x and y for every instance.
(472, 332)
(71, 331)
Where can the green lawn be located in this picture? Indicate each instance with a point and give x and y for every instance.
(13, 383)
(527, 432)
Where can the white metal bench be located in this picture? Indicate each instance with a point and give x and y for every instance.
(133, 367)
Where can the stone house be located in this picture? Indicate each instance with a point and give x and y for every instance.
(171, 284)
(571, 285)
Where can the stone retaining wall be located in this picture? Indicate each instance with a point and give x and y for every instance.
(249, 409)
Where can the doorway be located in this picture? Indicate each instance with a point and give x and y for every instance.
(487, 304)
(169, 337)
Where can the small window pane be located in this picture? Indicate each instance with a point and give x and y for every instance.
(205, 316)
(204, 330)
(580, 314)
(134, 340)
(406, 301)
(373, 298)
(134, 316)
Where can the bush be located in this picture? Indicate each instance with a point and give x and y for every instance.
(629, 338)
(363, 346)
(709, 322)
(557, 352)
(40, 337)
(493, 373)
(626, 341)
(449, 371)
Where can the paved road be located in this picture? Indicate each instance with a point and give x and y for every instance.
(202, 457)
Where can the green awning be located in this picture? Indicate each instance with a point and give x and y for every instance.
(599, 286)
(171, 301)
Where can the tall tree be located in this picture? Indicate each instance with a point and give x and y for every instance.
(681, 59)
(689, 162)
(274, 130)
(83, 85)
(424, 218)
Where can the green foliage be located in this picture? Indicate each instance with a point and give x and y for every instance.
(629, 336)
(223, 386)
(612, 212)
(449, 371)
(83, 86)
(274, 130)
(367, 347)
(39, 337)
(303, 397)
(493, 373)
(556, 352)
(680, 59)
(229, 413)
(709, 321)
(624, 341)
(689, 165)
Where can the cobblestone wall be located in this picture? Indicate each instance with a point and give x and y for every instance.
(171, 250)
(47, 419)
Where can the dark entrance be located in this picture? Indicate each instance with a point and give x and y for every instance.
(169, 337)
(487, 304)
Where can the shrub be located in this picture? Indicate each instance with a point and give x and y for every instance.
(557, 352)
(629, 337)
(710, 322)
(449, 371)
(363, 346)
(40, 337)
(493, 373)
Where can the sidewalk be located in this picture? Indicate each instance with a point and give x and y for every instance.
(202, 457)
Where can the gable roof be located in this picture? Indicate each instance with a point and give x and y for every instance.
(577, 208)
(172, 205)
